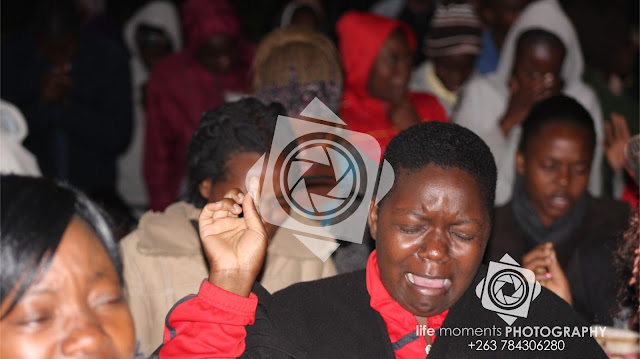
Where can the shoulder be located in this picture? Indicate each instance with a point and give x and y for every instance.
(348, 284)
(170, 67)
(607, 216)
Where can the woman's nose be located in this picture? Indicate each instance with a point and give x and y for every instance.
(435, 247)
(87, 337)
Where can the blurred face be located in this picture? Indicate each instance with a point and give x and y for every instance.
(236, 169)
(500, 15)
(431, 231)
(153, 47)
(390, 73)
(305, 17)
(454, 70)
(76, 310)
(538, 61)
(58, 50)
(556, 166)
(219, 55)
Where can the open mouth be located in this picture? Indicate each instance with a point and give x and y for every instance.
(427, 284)
(560, 202)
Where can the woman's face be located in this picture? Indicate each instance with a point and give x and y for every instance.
(431, 231)
(390, 73)
(76, 309)
(454, 70)
(219, 55)
(556, 166)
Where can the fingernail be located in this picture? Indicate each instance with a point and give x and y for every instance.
(236, 207)
(548, 275)
(241, 195)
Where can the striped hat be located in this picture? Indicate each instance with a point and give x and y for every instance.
(455, 29)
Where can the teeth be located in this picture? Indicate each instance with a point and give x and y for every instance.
(410, 277)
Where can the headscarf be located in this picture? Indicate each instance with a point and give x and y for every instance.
(293, 65)
(202, 19)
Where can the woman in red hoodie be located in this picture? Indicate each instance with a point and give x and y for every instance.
(211, 69)
(377, 56)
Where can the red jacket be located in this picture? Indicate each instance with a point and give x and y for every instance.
(180, 90)
(361, 37)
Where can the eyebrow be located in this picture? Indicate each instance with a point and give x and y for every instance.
(415, 213)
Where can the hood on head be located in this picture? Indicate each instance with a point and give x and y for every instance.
(546, 15)
(160, 14)
(202, 19)
(361, 36)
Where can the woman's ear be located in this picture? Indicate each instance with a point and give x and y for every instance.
(520, 163)
(372, 218)
(205, 188)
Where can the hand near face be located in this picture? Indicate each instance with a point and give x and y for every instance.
(235, 247)
(542, 260)
(57, 85)
(527, 90)
(617, 136)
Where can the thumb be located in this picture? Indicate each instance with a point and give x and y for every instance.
(554, 266)
(249, 206)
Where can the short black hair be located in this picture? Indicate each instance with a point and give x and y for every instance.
(35, 213)
(539, 36)
(445, 145)
(553, 110)
(243, 126)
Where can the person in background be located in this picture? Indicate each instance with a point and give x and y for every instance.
(14, 158)
(631, 194)
(628, 270)
(610, 52)
(541, 57)
(73, 88)
(452, 44)
(306, 13)
(498, 16)
(552, 225)
(163, 258)
(416, 14)
(151, 34)
(293, 66)
(61, 291)
(377, 58)
(211, 69)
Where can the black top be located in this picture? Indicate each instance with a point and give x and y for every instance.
(586, 256)
(332, 318)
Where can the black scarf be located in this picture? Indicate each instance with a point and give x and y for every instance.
(529, 220)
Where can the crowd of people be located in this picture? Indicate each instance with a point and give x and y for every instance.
(135, 222)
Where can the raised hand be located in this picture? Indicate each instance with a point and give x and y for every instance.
(616, 138)
(542, 260)
(234, 246)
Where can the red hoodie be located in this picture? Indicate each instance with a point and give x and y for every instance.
(361, 37)
(180, 90)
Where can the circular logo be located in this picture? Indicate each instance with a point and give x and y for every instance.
(334, 158)
(508, 289)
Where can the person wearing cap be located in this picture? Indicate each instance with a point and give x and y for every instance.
(452, 44)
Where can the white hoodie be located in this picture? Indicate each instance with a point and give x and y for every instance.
(14, 158)
(485, 98)
(163, 15)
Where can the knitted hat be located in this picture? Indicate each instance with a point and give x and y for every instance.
(455, 30)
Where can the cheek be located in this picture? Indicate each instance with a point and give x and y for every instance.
(118, 324)
(18, 345)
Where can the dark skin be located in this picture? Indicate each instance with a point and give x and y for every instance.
(555, 165)
(389, 78)
(454, 70)
(218, 55)
(431, 231)
(499, 15)
(57, 84)
(536, 76)
(433, 224)
(76, 309)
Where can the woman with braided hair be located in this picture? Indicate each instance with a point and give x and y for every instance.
(164, 260)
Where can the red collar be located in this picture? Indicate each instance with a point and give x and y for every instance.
(398, 320)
